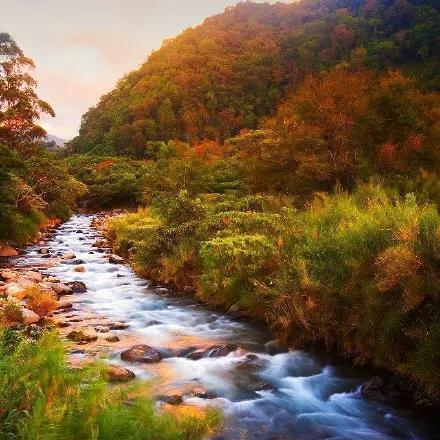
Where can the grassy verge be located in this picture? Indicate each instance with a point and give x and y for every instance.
(40, 398)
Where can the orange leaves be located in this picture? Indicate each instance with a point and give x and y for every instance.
(395, 264)
(41, 302)
(105, 164)
(388, 151)
(209, 150)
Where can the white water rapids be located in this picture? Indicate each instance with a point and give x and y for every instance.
(289, 395)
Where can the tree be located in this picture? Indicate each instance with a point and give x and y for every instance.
(20, 106)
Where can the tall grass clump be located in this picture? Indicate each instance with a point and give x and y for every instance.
(360, 274)
(41, 398)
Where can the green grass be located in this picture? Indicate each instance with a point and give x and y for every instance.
(41, 398)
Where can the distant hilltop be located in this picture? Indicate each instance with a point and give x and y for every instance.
(53, 142)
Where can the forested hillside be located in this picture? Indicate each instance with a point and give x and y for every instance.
(222, 76)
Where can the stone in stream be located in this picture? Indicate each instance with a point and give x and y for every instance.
(80, 269)
(102, 328)
(34, 276)
(115, 259)
(213, 351)
(8, 275)
(372, 389)
(118, 325)
(112, 338)
(99, 243)
(51, 279)
(78, 286)
(74, 262)
(141, 353)
(116, 373)
(16, 291)
(83, 334)
(68, 256)
(43, 250)
(61, 289)
(29, 317)
(8, 251)
(64, 305)
(172, 399)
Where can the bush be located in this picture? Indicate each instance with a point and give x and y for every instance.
(10, 313)
(40, 302)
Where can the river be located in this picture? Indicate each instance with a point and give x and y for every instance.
(263, 394)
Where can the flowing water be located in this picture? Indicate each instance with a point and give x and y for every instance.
(290, 395)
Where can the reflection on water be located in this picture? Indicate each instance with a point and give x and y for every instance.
(283, 396)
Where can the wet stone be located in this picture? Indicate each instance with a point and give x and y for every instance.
(141, 353)
(118, 325)
(78, 287)
(84, 334)
(116, 373)
(112, 338)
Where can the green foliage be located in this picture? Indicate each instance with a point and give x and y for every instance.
(41, 398)
(218, 78)
(110, 181)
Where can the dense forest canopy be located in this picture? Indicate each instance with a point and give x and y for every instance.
(218, 78)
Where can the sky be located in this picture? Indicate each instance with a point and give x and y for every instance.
(82, 47)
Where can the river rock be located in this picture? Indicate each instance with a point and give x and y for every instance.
(99, 243)
(83, 334)
(112, 338)
(8, 275)
(51, 279)
(29, 317)
(172, 399)
(16, 291)
(118, 325)
(201, 392)
(64, 305)
(75, 262)
(43, 250)
(34, 276)
(8, 251)
(78, 286)
(68, 256)
(220, 350)
(61, 289)
(102, 328)
(141, 353)
(115, 259)
(116, 373)
(79, 269)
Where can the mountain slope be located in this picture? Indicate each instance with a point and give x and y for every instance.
(212, 81)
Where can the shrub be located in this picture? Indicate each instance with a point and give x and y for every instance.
(40, 302)
(11, 312)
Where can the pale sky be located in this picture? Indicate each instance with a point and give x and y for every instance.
(82, 47)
